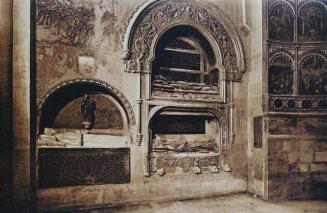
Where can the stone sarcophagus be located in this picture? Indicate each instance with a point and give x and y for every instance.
(187, 142)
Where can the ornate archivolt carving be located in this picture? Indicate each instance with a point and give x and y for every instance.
(112, 90)
(156, 17)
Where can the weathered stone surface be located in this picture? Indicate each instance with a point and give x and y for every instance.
(160, 172)
(196, 170)
(318, 167)
(213, 169)
(304, 167)
(179, 170)
(320, 145)
(320, 157)
(313, 126)
(282, 126)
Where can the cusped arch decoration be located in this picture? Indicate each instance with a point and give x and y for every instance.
(312, 26)
(313, 74)
(219, 114)
(155, 17)
(281, 73)
(281, 21)
(281, 54)
(112, 90)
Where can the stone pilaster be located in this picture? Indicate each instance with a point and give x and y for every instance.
(21, 105)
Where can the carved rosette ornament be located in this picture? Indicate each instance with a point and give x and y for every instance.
(159, 17)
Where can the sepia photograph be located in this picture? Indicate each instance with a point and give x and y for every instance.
(163, 106)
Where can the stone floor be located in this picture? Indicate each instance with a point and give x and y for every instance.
(238, 203)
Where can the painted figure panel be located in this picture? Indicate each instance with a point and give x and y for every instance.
(312, 22)
(281, 22)
(313, 75)
(281, 74)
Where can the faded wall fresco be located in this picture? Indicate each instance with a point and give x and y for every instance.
(76, 22)
(66, 22)
(70, 29)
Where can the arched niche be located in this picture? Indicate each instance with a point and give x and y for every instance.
(281, 21)
(60, 110)
(312, 21)
(153, 18)
(313, 74)
(280, 74)
(186, 66)
(181, 134)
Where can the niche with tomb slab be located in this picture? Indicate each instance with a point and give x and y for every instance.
(186, 141)
(84, 135)
(185, 67)
(62, 121)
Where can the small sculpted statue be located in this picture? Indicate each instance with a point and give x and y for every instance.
(88, 107)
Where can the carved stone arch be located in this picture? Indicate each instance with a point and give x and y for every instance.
(281, 21)
(122, 100)
(155, 17)
(222, 122)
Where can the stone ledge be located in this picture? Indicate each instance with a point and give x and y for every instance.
(160, 189)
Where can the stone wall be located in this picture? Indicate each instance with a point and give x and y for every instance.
(255, 157)
(297, 157)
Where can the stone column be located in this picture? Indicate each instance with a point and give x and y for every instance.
(21, 186)
(5, 103)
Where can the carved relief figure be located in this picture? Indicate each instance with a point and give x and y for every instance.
(312, 22)
(313, 75)
(280, 74)
(88, 107)
(203, 143)
(281, 22)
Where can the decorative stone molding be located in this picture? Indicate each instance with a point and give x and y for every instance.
(282, 3)
(155, 17)
(297, 103)
(112, 90)
(281, 54)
